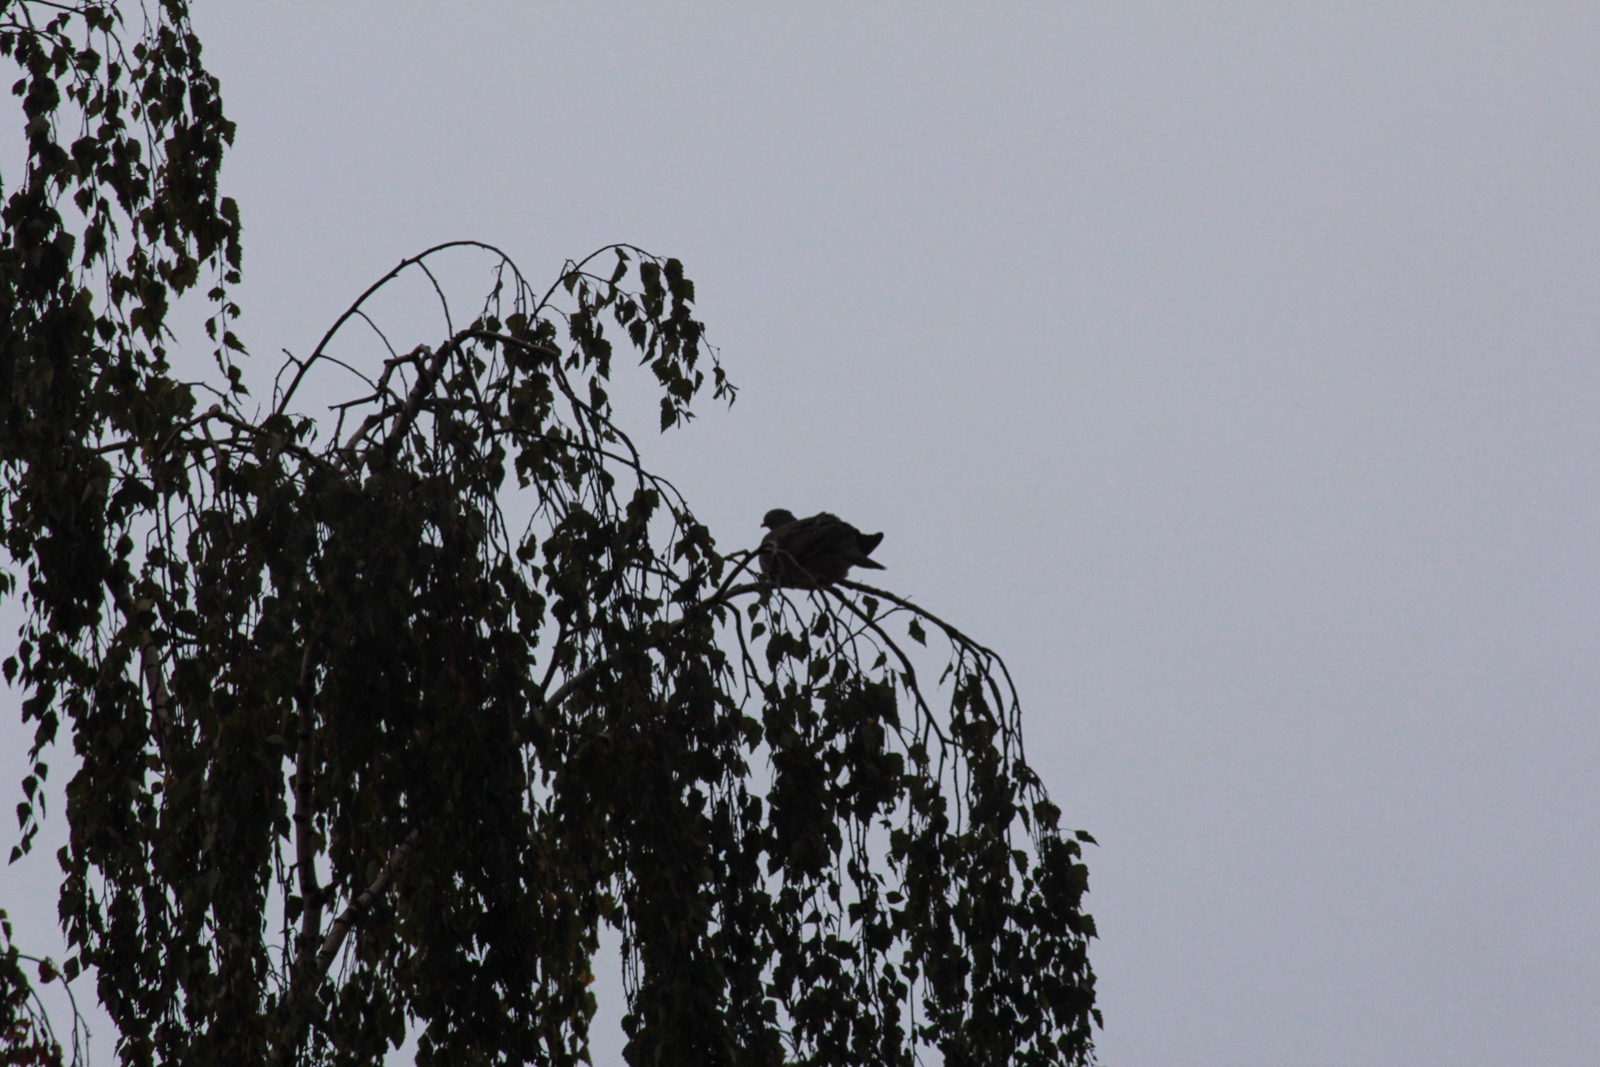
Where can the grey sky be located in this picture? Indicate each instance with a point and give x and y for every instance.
(1231, 370)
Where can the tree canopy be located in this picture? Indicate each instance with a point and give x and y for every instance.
(379, 712)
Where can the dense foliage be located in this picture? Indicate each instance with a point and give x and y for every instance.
(379, 714)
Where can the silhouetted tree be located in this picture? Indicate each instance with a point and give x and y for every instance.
(379, 714)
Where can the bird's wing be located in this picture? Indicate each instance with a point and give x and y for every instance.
(805, 536)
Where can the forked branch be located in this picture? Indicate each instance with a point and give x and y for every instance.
(284, 1049)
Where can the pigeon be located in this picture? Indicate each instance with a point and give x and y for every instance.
(815, 552)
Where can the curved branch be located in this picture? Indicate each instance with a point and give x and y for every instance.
(444, 304)
(572, 268)
(355, 308)
(1012, 729)
(950, 631)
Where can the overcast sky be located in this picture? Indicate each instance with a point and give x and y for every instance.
(1231, 370)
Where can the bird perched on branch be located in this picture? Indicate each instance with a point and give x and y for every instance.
(815, 552)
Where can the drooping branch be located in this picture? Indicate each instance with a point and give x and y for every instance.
(960, 640)
(908, 670)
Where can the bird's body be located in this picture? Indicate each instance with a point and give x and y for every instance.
(813, 553)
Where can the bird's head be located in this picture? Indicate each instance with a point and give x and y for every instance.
(777, 517)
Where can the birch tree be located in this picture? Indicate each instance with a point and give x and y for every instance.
(378, 712)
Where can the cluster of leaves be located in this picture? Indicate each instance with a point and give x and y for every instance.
(27, 1038)
(381, 713)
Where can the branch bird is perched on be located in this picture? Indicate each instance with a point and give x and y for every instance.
(815, 552)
